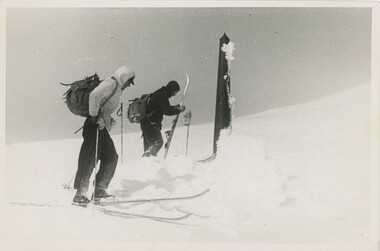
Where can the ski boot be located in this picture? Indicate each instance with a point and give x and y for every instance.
(101, 195)
(80, 200)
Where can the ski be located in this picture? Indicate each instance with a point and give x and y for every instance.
(134, 215)
(212, 157)
(36, 204)
(116, 201)
(106, 203)
(110, 211)
(174, 124)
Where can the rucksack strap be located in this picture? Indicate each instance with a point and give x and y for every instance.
(147, 103)
(114, 91)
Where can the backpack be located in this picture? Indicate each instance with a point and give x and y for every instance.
(137, 109)
(77, 97)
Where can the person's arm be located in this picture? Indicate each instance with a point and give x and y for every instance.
(168, 109)
(102, 92)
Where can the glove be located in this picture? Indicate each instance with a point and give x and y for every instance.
(101, 123)
(181, 108)
(113, 123)
(94, 120)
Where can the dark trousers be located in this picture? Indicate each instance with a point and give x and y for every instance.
(86, 162)
(152, 138)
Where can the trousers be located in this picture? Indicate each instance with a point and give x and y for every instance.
(107, 156)
(151, 132)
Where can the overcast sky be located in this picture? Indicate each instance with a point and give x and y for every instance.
(283, 56)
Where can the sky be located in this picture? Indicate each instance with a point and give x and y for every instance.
(282, 56)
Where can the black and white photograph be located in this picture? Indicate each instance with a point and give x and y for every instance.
(163, 125)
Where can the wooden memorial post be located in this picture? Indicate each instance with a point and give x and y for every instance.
(222, 108)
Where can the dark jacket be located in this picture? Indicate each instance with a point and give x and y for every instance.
(159, 105)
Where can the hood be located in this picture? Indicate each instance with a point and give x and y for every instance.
(171, 87)
(123, 74)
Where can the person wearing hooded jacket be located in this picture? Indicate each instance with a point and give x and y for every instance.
(158, 105)
(103, 101)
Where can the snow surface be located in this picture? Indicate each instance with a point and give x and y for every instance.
(296, 174)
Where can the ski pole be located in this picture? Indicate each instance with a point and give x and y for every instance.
(67, 185)
(187, 116)
(187, 138)
(120, 113)
(96, 163)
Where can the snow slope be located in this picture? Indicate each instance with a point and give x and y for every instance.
(297, 174)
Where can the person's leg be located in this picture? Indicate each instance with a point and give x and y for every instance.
(86, 160)
(109, 158)
(146, 144)
(153, 137)
(144, 128)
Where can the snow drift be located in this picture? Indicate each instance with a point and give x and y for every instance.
(296, 174)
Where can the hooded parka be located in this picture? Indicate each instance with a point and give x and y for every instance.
(111, 89)
(108, 88)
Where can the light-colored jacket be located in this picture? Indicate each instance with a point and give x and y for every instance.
(103, 91)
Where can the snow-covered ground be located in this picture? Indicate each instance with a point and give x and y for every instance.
(296, 174)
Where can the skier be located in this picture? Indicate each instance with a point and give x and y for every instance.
(96, 129)
(157, 106)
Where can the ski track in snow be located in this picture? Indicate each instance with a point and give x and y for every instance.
(278, 173)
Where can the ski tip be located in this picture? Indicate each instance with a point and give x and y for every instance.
(176, 218)
(204, 192)
(186, 216)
